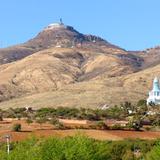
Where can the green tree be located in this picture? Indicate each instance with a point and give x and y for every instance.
(142, 102)
(78, 147)
(154, 154)
(129, 155)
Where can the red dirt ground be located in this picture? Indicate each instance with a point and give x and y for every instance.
(46, 130)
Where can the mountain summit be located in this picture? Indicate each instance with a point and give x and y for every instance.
(64, 36)
(54, 35)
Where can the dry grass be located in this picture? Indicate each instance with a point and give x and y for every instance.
(72, 78)
(62, 77)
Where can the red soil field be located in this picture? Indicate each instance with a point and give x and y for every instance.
(47, 130)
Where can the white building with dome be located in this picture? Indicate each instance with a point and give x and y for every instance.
(56, 25)
(154, 94)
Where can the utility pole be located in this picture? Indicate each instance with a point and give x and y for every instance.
(61, 22)
(8, 137)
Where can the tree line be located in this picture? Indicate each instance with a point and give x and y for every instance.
(80, 147)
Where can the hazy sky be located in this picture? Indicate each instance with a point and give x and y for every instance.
(130, 24)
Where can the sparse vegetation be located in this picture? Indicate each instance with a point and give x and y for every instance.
(41, 120)
(135, 115)
(29, 121)
(59, 125)
(101, 125)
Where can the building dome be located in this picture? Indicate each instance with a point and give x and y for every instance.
(55, 25)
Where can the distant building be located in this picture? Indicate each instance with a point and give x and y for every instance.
(56, 25)
(154, 94)
(104, 107)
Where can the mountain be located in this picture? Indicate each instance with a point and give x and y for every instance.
(54, 35)
(151, 57)
(62, 67)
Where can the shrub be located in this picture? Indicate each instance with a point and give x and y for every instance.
(101, 125)
(1, 117)
(137, 125)
(116, 113)
(129, 155)
(92, 126)
(54, 121)
(154, 154)
(59, 125)
(16, 127)
(117, 127)
(142, 102)
(41, 120)
(29, 121)
(19, 116)
(147, 128)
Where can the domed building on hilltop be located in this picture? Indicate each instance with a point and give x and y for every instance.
(56, 25)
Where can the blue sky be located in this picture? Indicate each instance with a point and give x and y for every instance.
(130, 24)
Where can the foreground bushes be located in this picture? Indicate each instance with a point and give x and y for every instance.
(76, 148)
(154, 154)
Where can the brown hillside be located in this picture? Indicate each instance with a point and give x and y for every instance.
(93, 93)
(62, 67)
(52, 69)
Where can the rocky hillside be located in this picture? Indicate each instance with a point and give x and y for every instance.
(62, 67)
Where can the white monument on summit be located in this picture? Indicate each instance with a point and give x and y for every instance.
(154, 94)
(56, 25)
